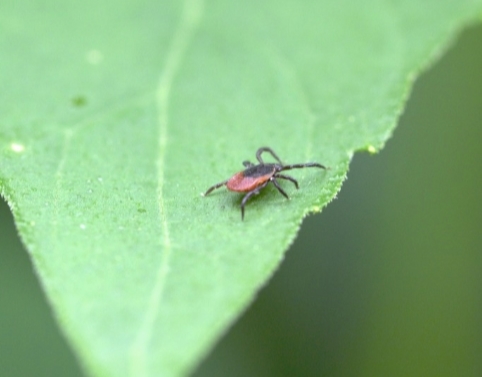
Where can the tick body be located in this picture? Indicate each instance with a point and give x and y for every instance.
(256, 177)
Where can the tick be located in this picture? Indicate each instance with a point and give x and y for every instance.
(256, 177)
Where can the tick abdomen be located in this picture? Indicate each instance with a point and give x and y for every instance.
(250, 178)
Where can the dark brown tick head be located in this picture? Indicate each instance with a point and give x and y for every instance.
(256, 177)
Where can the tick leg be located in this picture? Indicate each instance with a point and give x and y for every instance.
(249, 195)
(276, 184)
(270, 151)
(217, 185)
(247, 164)
(307, 165)
(287, 177)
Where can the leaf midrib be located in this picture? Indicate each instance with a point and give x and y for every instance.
(190, 19)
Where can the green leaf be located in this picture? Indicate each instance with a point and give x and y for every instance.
(116, 116)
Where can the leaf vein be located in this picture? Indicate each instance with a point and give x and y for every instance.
(190, 18)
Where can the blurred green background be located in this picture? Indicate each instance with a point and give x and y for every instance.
(387, 281)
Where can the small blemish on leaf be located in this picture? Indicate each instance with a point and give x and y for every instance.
(141, 210)
(79, 101)
(94, 57)
(17, 147)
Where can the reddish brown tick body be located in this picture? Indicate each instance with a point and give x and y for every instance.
(256, 177)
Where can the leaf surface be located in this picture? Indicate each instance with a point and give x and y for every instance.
(116, 116)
